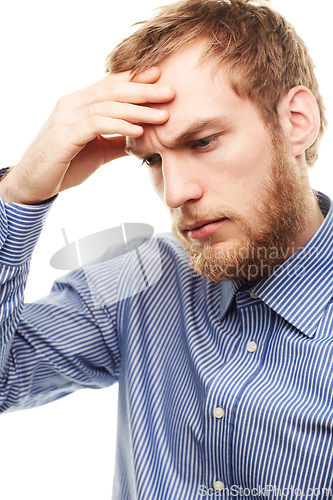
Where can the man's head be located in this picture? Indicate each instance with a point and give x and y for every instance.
(263, 55)
(230, 161)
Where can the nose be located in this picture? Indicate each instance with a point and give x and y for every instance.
(180, 181)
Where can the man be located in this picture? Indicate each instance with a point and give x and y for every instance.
(224, 381)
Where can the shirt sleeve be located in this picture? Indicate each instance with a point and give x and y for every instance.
(60, 343)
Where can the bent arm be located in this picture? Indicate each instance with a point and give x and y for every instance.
(69, 339)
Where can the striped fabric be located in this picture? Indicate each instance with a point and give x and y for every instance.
(225, 389)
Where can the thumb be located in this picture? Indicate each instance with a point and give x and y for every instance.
(114, 147)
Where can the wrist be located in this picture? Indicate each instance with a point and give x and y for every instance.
(5, 188)
(11, 192)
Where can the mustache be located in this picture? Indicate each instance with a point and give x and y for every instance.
(192, 215)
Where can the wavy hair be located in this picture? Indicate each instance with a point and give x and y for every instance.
(261, 51)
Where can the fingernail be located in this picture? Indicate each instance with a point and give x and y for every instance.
(164, 89)
(160, 112)
(151, 70)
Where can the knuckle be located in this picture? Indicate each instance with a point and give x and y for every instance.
(109, 109)
(94, 93)
(92, 122)
(62, 103)
(115, 89)
(92, 109)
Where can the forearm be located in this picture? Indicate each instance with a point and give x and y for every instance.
(52, 347)
(19, 232)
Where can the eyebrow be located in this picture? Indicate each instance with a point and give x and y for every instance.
(185, 136)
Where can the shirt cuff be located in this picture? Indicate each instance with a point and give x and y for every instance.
(20, 226)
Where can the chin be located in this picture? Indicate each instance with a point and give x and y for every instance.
(221, 247)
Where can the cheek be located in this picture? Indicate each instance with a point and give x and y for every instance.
(249, 158)
(238, 172)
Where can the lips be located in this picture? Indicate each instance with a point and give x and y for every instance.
(204, 228)
(198, 224)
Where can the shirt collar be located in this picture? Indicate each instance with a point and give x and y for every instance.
(300, 289)
(228, 291)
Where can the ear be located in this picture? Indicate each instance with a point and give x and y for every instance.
(299, 118)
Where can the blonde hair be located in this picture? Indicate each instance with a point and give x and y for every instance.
(261, 51)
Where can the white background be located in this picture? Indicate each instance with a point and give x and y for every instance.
(65, 450)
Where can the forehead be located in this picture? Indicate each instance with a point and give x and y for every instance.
(190, 75)
(202, 93)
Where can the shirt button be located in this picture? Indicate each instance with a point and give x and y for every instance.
(218, 485)
(251, 346)
(218, 412)
(253, 295)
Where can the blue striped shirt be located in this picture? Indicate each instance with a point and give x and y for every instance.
(225, 389)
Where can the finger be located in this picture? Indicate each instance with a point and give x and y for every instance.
(86, 130)
(124, 76)
(89, 94)
(132, 92)
(124, 111)
(149, 75)
(97, 152)
(138, 93)
(121, 91)
(114, 147)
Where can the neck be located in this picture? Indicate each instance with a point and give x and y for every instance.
(314, 221)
